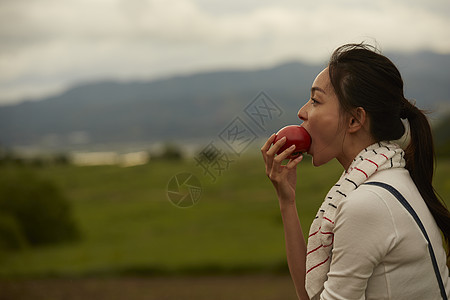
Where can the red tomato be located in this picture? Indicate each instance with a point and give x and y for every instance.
(295, 135)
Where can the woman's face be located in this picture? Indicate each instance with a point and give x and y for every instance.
(321, 118)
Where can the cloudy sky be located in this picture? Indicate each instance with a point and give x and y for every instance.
(48, 45)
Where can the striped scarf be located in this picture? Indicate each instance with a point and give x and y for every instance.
(377, 157)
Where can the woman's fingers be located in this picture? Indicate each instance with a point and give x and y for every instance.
(282, 156)
(266, 146)
(294, 162)
(285, 154)
(274, 149)
(268, 143)
(269, 154)
(273, 163)
(276, 165)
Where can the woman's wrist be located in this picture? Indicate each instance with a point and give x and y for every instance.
(287, 204)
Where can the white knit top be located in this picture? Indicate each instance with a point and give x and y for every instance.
(379, 252)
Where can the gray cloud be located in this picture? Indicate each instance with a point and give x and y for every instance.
(47, 45)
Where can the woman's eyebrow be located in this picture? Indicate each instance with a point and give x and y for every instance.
(316, 88)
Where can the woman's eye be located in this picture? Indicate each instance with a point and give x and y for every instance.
(314, 101)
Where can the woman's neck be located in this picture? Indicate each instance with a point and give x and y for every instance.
(351, 147)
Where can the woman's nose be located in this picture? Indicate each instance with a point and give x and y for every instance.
(303, 113)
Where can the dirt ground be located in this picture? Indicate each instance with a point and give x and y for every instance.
(262, 287)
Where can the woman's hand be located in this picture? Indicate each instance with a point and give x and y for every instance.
(283, 177)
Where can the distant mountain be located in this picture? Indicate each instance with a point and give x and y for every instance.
(186, 107)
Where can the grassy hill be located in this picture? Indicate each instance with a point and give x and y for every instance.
(130, 228)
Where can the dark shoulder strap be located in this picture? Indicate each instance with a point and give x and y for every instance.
(409, 208)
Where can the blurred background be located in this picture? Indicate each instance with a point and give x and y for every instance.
(130, 134)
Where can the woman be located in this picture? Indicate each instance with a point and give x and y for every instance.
(363, 244)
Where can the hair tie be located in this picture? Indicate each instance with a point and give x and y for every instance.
(408, 110)
(404, 113)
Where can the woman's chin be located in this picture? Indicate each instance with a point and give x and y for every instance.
(318, 161)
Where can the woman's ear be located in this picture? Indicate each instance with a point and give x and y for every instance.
(357, 120)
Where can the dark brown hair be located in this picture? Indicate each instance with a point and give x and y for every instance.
(362, 77)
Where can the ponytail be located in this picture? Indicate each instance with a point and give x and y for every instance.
(420, 162)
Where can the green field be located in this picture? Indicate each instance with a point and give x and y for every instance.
(130, 228)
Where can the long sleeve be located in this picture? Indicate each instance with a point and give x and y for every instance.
(364, 233)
